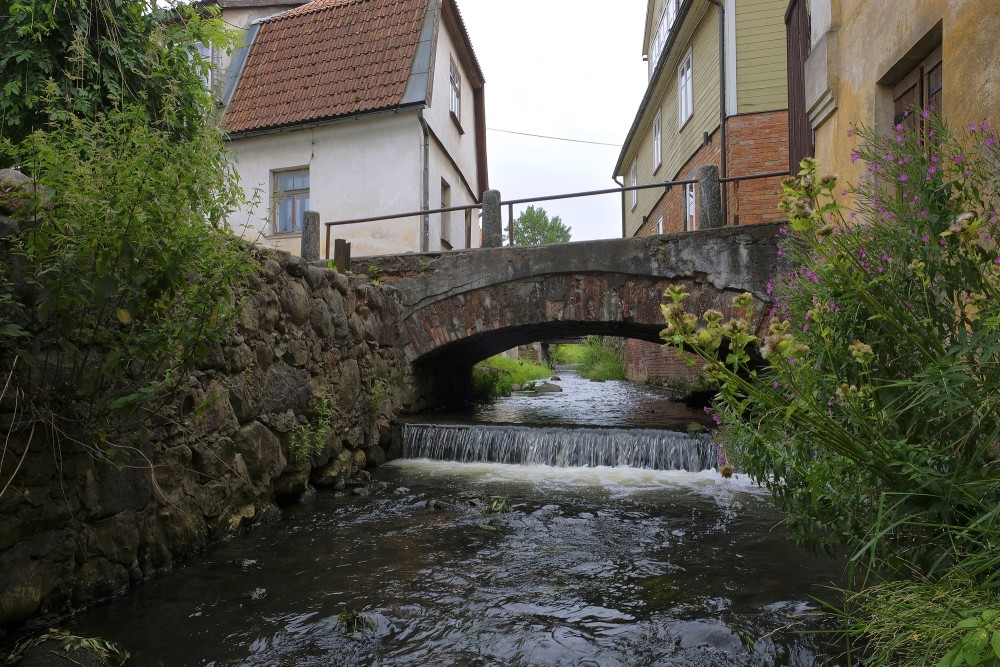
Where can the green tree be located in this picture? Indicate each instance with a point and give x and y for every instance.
(533, 227)
(82, 57)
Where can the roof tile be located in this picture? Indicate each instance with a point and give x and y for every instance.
(326, 59)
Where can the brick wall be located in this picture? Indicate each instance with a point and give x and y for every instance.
(757, 143)
(649, 362)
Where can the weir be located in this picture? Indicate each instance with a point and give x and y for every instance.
(560, 447)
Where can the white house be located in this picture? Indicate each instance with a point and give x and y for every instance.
(360, 108)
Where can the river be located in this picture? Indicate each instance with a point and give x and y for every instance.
(590, 559)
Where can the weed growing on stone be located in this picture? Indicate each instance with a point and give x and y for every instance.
(310, 440)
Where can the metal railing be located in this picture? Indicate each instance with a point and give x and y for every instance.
(666, 185)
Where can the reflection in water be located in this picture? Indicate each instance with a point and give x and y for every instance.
(601, 566)
(582, 402)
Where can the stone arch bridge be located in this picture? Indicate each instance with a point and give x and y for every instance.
(461, 307)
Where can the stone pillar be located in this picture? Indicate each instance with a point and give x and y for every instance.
(492, 220)
(710, 198)
(310, 236)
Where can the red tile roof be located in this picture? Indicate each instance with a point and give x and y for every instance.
(326, 59)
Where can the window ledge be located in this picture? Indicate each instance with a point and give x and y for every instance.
(282, 235)
(685, 122)
(457, 122)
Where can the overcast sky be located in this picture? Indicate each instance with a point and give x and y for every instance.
(561, 68)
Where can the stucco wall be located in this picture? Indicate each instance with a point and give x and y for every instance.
(357, 168)
(844, 63)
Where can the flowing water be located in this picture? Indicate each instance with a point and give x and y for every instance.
(506, 546)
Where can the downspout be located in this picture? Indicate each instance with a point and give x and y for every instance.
(425, 232)
(723, 168)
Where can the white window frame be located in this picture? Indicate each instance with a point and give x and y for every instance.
(445, 216)
(657, 140)
(685, 90)
(210, 54)
(455, 97)
(294, 196)
(690, 210)
(663, 26)
(634, 180)
(659, 224)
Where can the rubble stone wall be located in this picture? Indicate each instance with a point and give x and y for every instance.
(74, 529)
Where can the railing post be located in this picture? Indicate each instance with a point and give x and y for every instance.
(309, 249)
(492, 220)
(342, 255)
(510, 224)
(710, 197)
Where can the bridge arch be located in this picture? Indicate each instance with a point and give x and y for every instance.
(462, 307)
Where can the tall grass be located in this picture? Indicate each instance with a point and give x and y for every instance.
(596, 360)
(495, 376)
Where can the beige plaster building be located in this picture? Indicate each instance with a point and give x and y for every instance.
(867, 61)
(678, 126)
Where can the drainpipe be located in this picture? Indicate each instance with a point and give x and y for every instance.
(425, 231)
(723, 168)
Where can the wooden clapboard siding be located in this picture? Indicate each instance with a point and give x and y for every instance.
(761, 67)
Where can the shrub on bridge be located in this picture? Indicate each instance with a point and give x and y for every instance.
(875, 419)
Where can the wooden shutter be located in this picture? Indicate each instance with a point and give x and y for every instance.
(799, 42)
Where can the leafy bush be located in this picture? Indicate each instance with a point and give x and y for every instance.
(82, 58)
(126, 271)
(875, 417)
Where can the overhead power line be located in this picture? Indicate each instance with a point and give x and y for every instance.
(544, 136)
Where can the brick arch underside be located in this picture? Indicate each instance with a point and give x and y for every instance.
(465, 328)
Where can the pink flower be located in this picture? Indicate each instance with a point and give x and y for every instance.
(959, 159)
(904, 177)
(990, 141)
(926, 113)
(996, 260)
(899, 127)
(925, 238)
(973, 127)
(985, 127)
(943, 241)
(854, 156)
(899, 138)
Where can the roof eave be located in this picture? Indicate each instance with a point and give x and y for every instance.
(319, 122)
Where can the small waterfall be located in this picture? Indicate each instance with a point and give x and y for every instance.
(560, 447)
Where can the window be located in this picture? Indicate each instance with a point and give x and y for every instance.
(690, 214)
(659, 224)
(445, 217)
(685, 91)
(291, 197)
(920, 88)
(634, 180)
(662, 32)
(657, 140)
(210, 55)
(456, 92)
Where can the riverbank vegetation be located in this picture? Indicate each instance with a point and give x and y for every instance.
(496, 376)
(117, 266)
(595, 358)
(874, 416)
